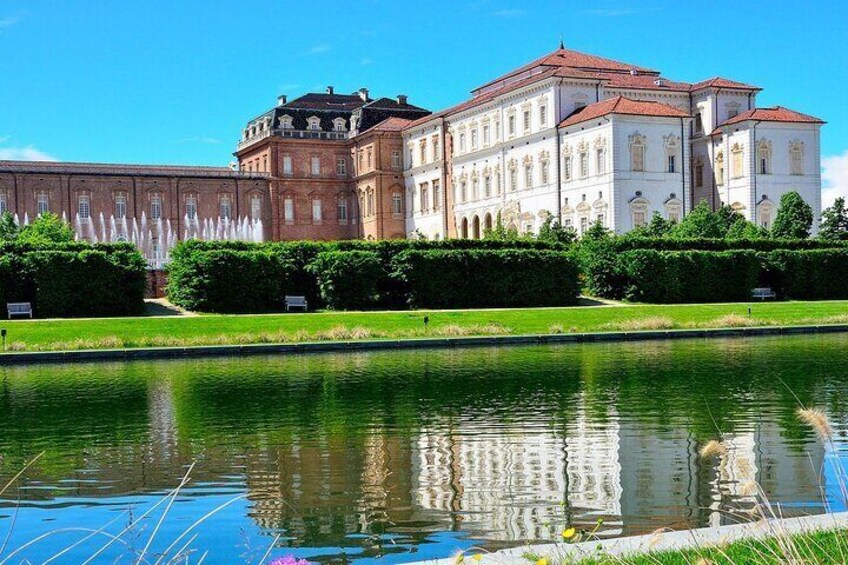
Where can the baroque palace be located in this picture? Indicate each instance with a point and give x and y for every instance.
(578, 137)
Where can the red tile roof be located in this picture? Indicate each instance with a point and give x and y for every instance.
(622, 105)
(575, 60)
(718, 82)
(645, 82)
(775, 114)
(391, 124)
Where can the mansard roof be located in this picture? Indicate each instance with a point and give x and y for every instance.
(774, 114)
(568, 59)
(625, 106)
(108, 169)
(719, 82)
(392, 124)
(327, 102)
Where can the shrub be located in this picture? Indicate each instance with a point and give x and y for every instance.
(689, 276)
(483, 278)
(818, 274)
(229, 280)
(348, 279)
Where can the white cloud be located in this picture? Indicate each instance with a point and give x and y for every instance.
(9, 21)
(509, 13)
(28, 153)
(320, 48)
(834, 178)
(198, 139)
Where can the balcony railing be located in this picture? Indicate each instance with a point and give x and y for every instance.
(293, 134)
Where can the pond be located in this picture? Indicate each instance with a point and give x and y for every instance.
(397, 456)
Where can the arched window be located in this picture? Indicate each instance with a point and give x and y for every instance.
(463, 232)
(738, 161)
(288, 210)
(191, 207)
(637, 152)
(671, 152)
(84, 207)
(397, 203)
(255, 207)
(155, 207)
(765, 213)
(341, 209)
(796, 157)
(639, 211)
(370, 201)
(673, 209)
(120, 205)
(225, 207)
(42, 203)
(764, 157)
(313, 123)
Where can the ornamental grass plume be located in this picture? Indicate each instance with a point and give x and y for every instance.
(288, 560)
(817, 420)
(712, 449)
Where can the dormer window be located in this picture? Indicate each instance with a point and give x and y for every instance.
(286, 122)
(314, 123)
(339, 124)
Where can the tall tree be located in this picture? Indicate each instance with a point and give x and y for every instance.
(552, 231)
(701, 222)
(47, 228)
(834, 222)
(794, 217)
(8, 228)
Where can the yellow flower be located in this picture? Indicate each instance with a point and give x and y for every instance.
(459, 558)
(569, 533)
(478, 556)
(542, 561)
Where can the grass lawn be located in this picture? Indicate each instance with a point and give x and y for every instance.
(28, 335)
(824, 547)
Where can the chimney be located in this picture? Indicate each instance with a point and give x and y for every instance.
(363, 93)
(659, 82)
(401, 99)
(329, 90)
(633, 72)
(281, 100)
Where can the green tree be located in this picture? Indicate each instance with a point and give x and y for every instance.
(500, 232)
(728, 217)
(552, 232)
(9, 230)
(657, 227)
(701, 222)
(743, 229)
(834, 222)
(794, 217)
(597, 232)
(47, 228)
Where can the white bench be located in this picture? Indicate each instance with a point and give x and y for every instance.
(19, 309)
(763, 292)
(296, 302)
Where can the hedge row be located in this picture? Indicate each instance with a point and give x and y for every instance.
(74, 280)
(239, 277)
(648, 275)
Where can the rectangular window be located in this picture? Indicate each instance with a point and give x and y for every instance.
(397, 203)
(423, 150)
(763, 166)
(699, 123)
(513, 179)
(567, 168)
(485, 136)
(120, 206)
(584, 165)
(599, 219)
(191, 207)
(545, 174)
(156, 207)
(462, 143)
(474, 139)
(316, 166)
(342, 210)
(43, 204)
(422, 193)
(528, 175)
(436, 154)
(3, 204)
(671, 164)
(396, 160)
(84, 208)
(497, 131)
(341, 166)
(437, 195)
(511, 124)
(316, 210)
(526, 121)
(639, 218)
(584, 224)
(287, 165)
(256, 208)
(543, 115)
(600, 162)
(224, 208)
(487, 186)
(699, 175)
(288, 209)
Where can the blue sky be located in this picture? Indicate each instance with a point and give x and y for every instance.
(174, 82)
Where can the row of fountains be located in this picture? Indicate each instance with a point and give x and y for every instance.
(155, 238)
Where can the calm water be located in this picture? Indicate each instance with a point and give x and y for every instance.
(399, 456)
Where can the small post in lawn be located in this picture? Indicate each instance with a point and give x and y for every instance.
(426, 322)
(749, 311)
(3, 333)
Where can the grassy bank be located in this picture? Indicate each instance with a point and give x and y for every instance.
(44, 335)
(823, 547)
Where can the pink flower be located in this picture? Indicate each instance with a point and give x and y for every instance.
(288, 560)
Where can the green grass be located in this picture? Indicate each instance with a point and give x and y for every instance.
(823, 547)
(40, 335)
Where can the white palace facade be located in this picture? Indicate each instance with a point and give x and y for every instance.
(587, 139)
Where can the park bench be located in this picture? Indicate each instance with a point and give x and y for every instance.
(296, 302)
(19, 309)
(763, 292)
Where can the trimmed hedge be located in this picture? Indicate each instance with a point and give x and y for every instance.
(74, 279)
(348, 280)
(230, 281)
(808, 275)
(688, 276)
(486, 278)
